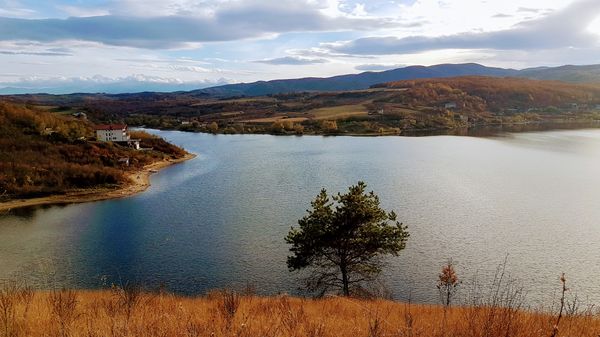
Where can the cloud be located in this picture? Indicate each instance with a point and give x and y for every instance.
(193, 69)
(14, 9)
(42, 53)
(233, 21)
(502, 16)
(529, 10)
(99, 83)
(378, 67)
(83, 11)
(562, 29)
(292, 60)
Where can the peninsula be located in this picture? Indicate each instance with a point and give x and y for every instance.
(50, 158)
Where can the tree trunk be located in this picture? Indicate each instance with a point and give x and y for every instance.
(346, 288)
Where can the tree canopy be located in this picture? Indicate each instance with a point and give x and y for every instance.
(342, 240)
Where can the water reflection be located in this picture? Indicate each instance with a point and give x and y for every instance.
(220, 219)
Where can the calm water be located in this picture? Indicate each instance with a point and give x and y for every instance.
(219, 220)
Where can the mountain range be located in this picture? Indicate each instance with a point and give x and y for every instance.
(567, 73)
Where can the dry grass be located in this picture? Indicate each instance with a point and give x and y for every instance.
(339, 112)
(130, 312)
(282, 118)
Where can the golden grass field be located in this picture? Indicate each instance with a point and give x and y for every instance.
(339, 112)
(282, 118)
(119, 312)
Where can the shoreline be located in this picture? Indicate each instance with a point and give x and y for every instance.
(479, 130)
(140, 181)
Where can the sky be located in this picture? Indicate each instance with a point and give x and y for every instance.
(64, 46)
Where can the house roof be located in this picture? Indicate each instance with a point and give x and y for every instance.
(110, 127)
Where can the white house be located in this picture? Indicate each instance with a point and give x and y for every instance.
(450, 105)
(112, 133)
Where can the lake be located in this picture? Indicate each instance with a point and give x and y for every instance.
(219, 220)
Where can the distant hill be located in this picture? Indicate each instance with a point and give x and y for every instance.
(567, 73)
(354, 81)
(575, 74)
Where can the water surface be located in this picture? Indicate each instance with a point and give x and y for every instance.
(220, 219)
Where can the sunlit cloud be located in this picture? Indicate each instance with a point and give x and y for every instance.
(62, 45)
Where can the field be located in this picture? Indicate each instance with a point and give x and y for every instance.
(130, 312)
(276, 118)
(339, 112)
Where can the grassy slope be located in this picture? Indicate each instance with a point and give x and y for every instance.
(120, 313)
(36, 163)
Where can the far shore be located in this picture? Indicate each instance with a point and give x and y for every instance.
(140, 181)
(479, 130)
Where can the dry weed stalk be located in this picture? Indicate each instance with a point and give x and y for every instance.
(63, 305)
(564, 289)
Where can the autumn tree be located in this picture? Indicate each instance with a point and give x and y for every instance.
(448, 283)
(329, 126)
(343, 239)
(213, 127)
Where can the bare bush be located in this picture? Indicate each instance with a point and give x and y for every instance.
(63, 305)
(229, 302)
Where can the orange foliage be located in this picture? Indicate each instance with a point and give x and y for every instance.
(43, 153)
(478, 93)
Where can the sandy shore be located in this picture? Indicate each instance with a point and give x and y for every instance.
(140, 182)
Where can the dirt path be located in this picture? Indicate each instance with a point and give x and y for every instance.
(140, 182)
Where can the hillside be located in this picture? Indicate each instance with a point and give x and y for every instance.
(129, 312)
(353, 81)
(567, 73)
(389, 108)
(480, 94)
(44, 153)
(571, 73)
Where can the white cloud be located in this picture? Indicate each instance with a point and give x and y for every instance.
(232, 21)
(12, 8)
(100, 83)
(378, 67)
(202, 41)
(562, 29)
(292, 60)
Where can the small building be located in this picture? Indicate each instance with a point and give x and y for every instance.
(378, 111)
(134, 143)
(124, 161)
(112, 133)
(47, 131)
(450, 105)
(81, 115)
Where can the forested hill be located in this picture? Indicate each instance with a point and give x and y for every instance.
(354, 81)
(569, 73)
(44, 153)
(479, 94)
